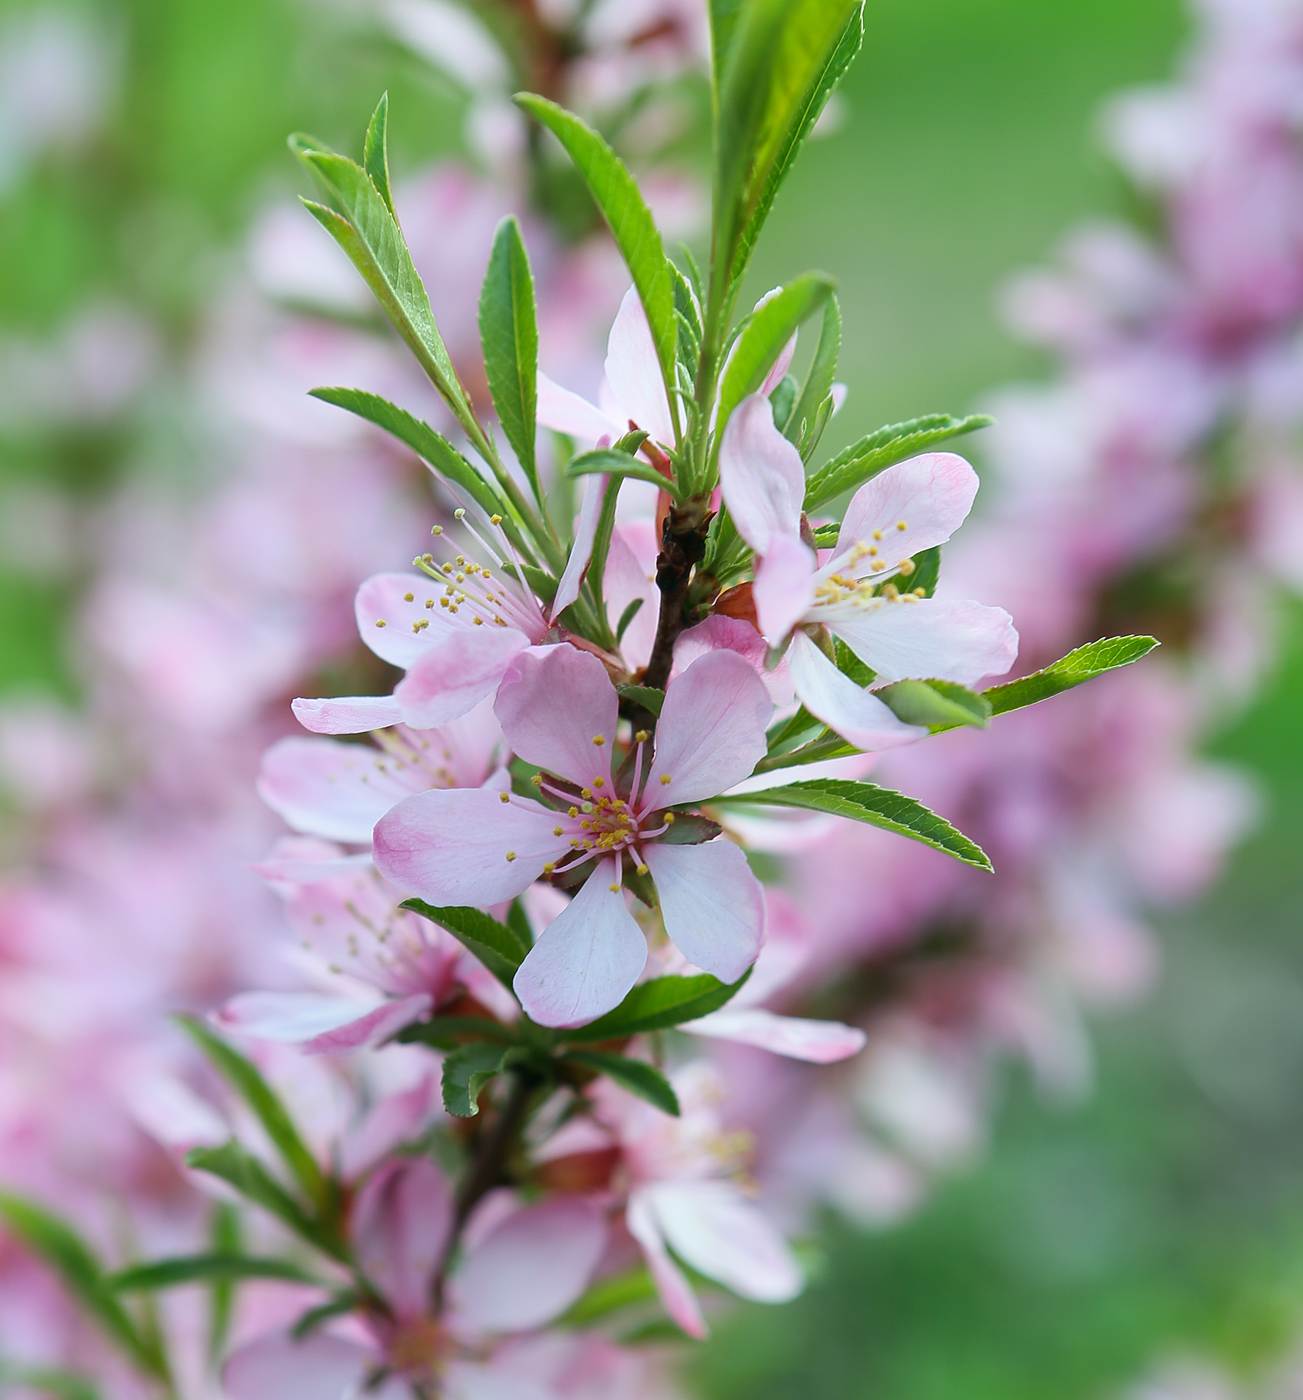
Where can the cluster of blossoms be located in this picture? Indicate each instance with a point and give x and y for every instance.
(536, 866)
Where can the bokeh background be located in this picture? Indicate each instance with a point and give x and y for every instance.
(1162, 1216)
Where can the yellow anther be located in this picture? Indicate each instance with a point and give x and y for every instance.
(557, 831)
(877, 534)
(429, 602)
(407, 597)
(665, 780)
(900, 525)
(459, 513)
(919, 593)
(586, 826)
(436, 529)
(537, 780)
(511, 855)
(642, 736)
(642, 869)
(599, 782)
(878, 566)
(478, 621)
(446, 568)
(872, 550)
(495, 520)
(504, 797)
(549, 867)
(574, 812)
(453, 608)
(380, 622)
(576, 842)
(890, 592)
(669, 818)
(588, 794)
(907, 567)
(599, 740)
(615, 889)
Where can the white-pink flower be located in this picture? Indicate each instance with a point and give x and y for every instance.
(906, 509)
(559, 711)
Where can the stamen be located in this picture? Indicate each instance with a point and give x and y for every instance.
(504, 797)
(511, 855)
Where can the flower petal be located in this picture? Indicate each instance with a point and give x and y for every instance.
(711, 731)
(291, 1017)
(278, 1368)
(338, 791)
(819, 1042)
(586, 959)
(714, 1228)
(566, 412)
(530, 1268)
(558, 709)
(713, 906)
(567, 590)
(930, 639)
(457, 671)
(400, 1225)
(720, 633)
(761, 475)
(856, 714)
(634, 372)
(387, 606)
(452, 847)
(672, 1287)
(784, 586)
(932, 494)
(348, 714)
(374, 1028)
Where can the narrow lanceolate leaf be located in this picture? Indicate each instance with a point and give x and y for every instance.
(241, 1074)
(784, 59)
(878, 806)
(658, 1005)
(799, 425)
(375, 156)
(501, 949)
(246, 1174)
(637, 1076)
(603, 460)
(509, 339)
(648, 696)
(1083, 664)
(56, 1242)
(936, 704)
(203, 1268)
(854, 465)
(764, 337)
(360, 221)
(624, 209)
(465, 1073)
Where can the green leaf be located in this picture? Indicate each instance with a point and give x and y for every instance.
(763, 337)
(361, 223)
(609, 1295)
(225, 1238)
(801, 422)
(854, 465)
(447, 1032)
(927, 571)
(606, 460)
(1083, 664)
(64, 1385)
(338, 1306)
(465, 1073)
(243, 1171)
(501, 949)
(67, 1253)
(436, 451)
(624, 209)
(936, 704)
(783, 60)
(203, 1268)
(637, 1076)
(626, 617)
(375, 154)
(645, 695)
(241, 1074)
(658, 1005)
(878, 806)
(509, 338)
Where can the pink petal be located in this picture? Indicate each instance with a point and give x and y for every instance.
(374, 1028)
(781, 365)
(587, 958)
(762, 476)
(711, 731)
(856, 714)
(819, 1042)
(558, 709)
(932, 494)
(673, 1289)
(714, 1228)
(451, 846)
(530, 1268)
(931, 639)
(291, 1017)
(397, 601)
(713, 906)
(630, 567)
(338, 791)
(566, 412)
(567, 590)
(277, 1368)
(400, 1226)
(285, 866)
(634, 372)
(720, 633)
(348, 714)
(784, 586)
(457, 671)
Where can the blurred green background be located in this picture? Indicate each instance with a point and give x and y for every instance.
(1166, 1213)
